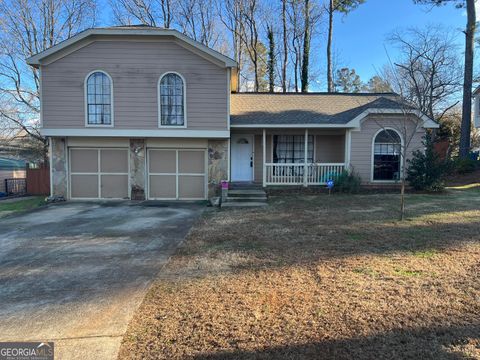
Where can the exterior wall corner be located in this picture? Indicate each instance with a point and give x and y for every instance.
(59, 167)
(217, 165)
(138, 169)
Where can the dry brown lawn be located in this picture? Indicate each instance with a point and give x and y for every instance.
(320, 277)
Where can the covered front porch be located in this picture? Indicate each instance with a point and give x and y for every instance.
(288, 156)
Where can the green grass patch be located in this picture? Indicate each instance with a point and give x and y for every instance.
(21, 205)
(365, 271)
(408, 273)
(425, 254)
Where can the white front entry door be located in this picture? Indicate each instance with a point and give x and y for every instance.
(242, 157)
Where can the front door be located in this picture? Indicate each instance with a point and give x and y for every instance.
(242, 157)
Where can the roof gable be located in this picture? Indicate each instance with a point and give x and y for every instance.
(81, 39)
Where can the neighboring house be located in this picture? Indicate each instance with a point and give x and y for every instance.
(141, 112)
(11, 169)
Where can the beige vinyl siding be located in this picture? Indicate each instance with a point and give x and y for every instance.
(361, 142)
(258, 161)
(330, 148)
(135, 68)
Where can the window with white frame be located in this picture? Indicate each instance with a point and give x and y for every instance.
(290, 149)
(172, 100)
(387, 155)
(99, 99)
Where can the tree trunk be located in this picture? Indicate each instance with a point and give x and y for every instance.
(271, 59)
(467, 81)
(306, 48)
(402, 188)
(329, 47)
(285, 46)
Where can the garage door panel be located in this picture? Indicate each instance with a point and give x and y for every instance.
(191, 162)
(191, 187)
(84, 160)
(163, 186)
(162, 161)
(114, 186)
(84, 186)
(91, 168)
(114, 161)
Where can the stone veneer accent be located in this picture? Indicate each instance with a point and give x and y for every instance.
(217, 165)
(137, 169)
(59, 167)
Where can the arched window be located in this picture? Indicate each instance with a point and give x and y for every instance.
(387, 155)
(172, 100)
(99, 99)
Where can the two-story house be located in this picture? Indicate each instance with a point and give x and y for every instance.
(148, 113)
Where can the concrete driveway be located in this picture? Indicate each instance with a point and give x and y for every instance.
(74, 273)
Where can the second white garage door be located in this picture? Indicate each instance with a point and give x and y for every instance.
(176, 174)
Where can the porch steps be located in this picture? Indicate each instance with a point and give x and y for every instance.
(245, 196)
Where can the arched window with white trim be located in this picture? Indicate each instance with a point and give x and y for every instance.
(387, 148)
(172, 100)
(99, 99)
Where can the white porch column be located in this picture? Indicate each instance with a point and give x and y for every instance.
(305, 159)
(348, 147)
(264, 159)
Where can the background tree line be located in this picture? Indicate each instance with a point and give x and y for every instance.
(272, 42)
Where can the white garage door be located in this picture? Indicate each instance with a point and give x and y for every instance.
(98, 173)
(176, 174)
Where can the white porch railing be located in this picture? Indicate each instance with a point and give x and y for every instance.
(294, 174)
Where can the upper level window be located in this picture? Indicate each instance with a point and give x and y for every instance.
(172, 100)
(99, 99)
(386, 155)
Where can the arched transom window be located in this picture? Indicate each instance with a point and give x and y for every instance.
(387, 155)
(99, 99)
(172, 100)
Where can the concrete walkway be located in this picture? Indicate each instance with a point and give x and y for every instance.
(75, 273)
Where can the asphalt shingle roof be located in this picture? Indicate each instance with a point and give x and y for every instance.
(283, 109)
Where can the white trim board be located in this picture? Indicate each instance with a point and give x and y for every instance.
(132, 133)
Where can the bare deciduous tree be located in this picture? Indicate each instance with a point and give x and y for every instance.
(336, 6)
(145, 12)
(285, 46)
(408, 127)
(306, 46)
(27, 28)
(428, 69)
(470, 28)
(230, 13)
(196, 18)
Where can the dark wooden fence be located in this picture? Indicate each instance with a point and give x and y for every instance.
(38, 181)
